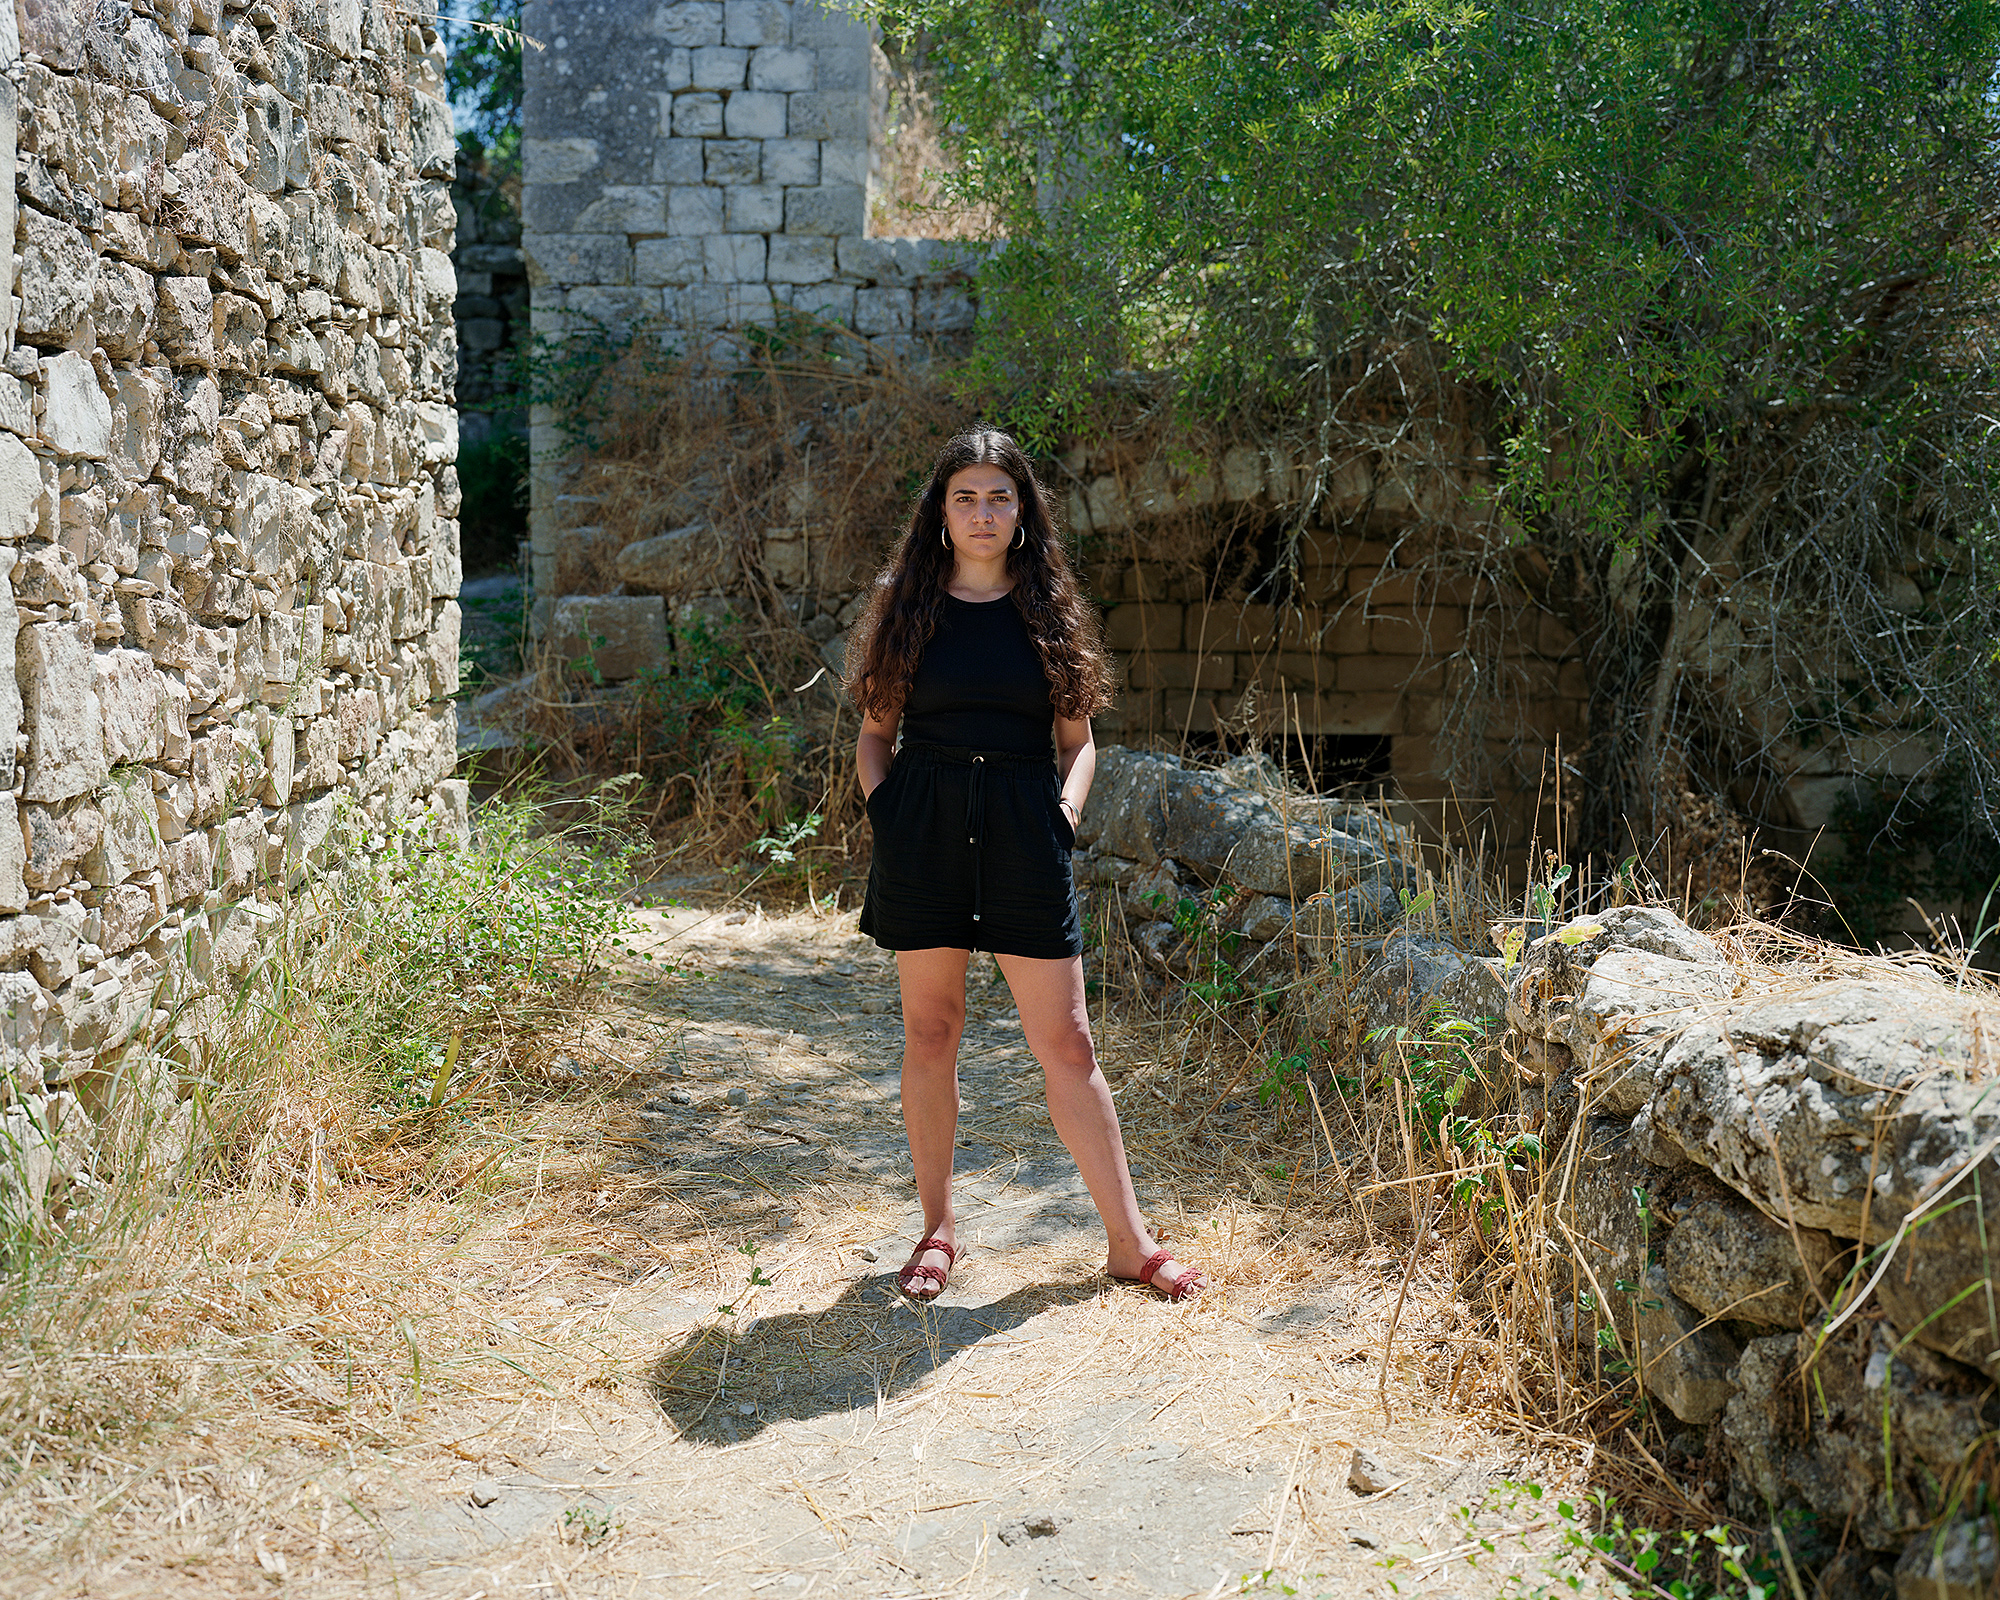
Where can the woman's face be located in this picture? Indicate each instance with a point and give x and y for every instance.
(981, 510)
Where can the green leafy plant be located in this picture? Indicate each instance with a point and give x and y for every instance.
(591, 1524)
(782, 848)
(483, 77)
(1439, 1059)
(1545, 894)
(1284, 1080)
(1534, 1544)
(1663, 259)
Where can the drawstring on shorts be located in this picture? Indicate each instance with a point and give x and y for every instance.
(980, 763)
(975, 824)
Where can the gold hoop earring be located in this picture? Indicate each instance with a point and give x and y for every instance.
(944, 537)
(1021, 537)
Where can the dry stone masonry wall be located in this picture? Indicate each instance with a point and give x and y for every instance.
(703, 165)
(1770, 1185)
(226, 490)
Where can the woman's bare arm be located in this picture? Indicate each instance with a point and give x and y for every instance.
(875, 749)
(1076, 763)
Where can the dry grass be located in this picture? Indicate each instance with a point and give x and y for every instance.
(301, 1204)
(235, 1377)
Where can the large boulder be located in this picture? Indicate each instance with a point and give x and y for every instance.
(1956, 1562)
(608, 637)
(1146, 804)
(684, 561)
(1730, 1261)
(1619, 1213)
(1414, 978)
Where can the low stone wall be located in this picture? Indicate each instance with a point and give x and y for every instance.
(226, 491)
(1769, 1182)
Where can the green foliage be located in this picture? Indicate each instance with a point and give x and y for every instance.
(1284, 1080)
(483, 77)
(577, 375)
(708, 723)
(440, 943)
(1707, 283)
(590, 1524)
(1598, 210)
(1216, 983)
(1439, 1059)
(1535, 1545)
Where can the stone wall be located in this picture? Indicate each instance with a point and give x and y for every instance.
(491, 309)
(1766, 1180)
(226, 489)
(702, 167)
(1354, 651)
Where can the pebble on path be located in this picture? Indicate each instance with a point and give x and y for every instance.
(1366, 1475)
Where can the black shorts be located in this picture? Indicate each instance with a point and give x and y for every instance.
(972, 852)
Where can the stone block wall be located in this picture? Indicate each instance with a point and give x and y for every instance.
(703, 165)
(491, 309)
(1353, 650)
(227, 547)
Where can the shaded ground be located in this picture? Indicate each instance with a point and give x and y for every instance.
(767, 1416)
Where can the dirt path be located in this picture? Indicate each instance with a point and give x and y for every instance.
(1038, 1430)
(685, 1371)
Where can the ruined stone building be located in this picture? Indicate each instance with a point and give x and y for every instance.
(226, 488)
(705, 165)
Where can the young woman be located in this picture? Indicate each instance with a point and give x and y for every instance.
(979, 647)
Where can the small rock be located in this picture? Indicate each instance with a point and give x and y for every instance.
(739, 1097)
(874, 1008)
(601, 1467)
(1034, 1525)
(735, 917)
(484, 1492)
(747, 1409)
(680, 1097)
(1364, 1538)
(569, 1066)
(1367, 1475)
(844, 968)
(866, 1252)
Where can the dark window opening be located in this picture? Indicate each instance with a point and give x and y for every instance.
(1352, 765)
(1251, 562)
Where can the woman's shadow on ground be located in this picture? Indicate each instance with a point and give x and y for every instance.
(723, 1384)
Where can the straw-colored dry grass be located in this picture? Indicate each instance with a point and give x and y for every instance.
(258, 1383)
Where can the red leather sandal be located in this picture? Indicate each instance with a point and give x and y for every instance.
(1188, 1283)
(913, 1274)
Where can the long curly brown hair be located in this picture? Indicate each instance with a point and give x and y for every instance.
(909, 594)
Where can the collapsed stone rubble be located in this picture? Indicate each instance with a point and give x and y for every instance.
(227, 549)
(1773, 1185)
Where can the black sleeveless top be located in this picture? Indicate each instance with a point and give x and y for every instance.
(980, 685)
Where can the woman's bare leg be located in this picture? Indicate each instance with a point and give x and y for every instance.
(933, 984)
(1056, 1022)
